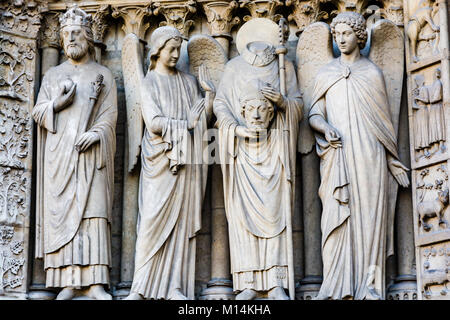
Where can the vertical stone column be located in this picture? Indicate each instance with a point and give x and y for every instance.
(99, 26)
(133, 22)
(220, 22)
(50, 45)
(312, 211)
(405, 286)
(19, 27)
(50, 42)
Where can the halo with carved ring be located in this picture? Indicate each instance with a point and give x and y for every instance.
(257, 29)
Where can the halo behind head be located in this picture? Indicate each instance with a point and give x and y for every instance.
(257, 29)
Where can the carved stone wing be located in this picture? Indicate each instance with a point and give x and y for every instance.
(204, 49)
(133, 76)
(387, 52)
(314, 50)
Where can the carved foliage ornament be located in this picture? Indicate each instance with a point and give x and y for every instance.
(22, 16)
(305, 12)
(50, 31)
(176, 15)
(11, 262)
(262, 9)
(133, 17)
(220, 17)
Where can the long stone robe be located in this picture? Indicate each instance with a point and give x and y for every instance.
(258, 177)
(75, 190)
(422, 119)
(354, 179)
(437, 121)
(171, 188)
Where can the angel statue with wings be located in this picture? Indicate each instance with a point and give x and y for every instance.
(354, 105)
(258, 108)
(173, 174)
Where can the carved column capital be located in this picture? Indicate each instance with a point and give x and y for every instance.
(99, 24)
(262, 9)
(177, 15)
(220, 17)
(49, 36)
(305, 12)
(349, 5)
(133, 17)
(393, 10)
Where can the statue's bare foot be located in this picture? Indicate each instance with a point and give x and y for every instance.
(247, 294)
(66, 294)
(177, 295)
(134, 296)
(278, 293)
(97, 292)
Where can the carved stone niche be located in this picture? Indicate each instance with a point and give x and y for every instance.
(428, 116)
(423, 29)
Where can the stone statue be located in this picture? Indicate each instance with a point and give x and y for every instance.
(76, 113)
(257, 145)
(173, 175)
(437, 121)
(351, 112)
(421, 117)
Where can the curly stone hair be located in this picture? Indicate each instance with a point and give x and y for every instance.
(356, 22)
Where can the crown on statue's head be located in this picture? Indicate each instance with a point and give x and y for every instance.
(75, 17)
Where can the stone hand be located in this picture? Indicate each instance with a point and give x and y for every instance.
(194, 114)
(86, 140)
(399, 171)
(244, 132)
(65, 96)
(273, 95)
(333, 137)
(205, 79)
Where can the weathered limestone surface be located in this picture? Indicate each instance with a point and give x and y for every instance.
(421, 234)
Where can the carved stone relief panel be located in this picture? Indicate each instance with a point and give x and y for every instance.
(20, 23)
(426, 29)
(435, 265)
(429, 141)
(422, 29)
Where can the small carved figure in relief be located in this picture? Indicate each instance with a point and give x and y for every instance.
(421, 100)
(436, 116)
(76, 113)
(433, 277)
(173, 174)
(258, 127)
(351, 113)
(433, 208)
(419, 20)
